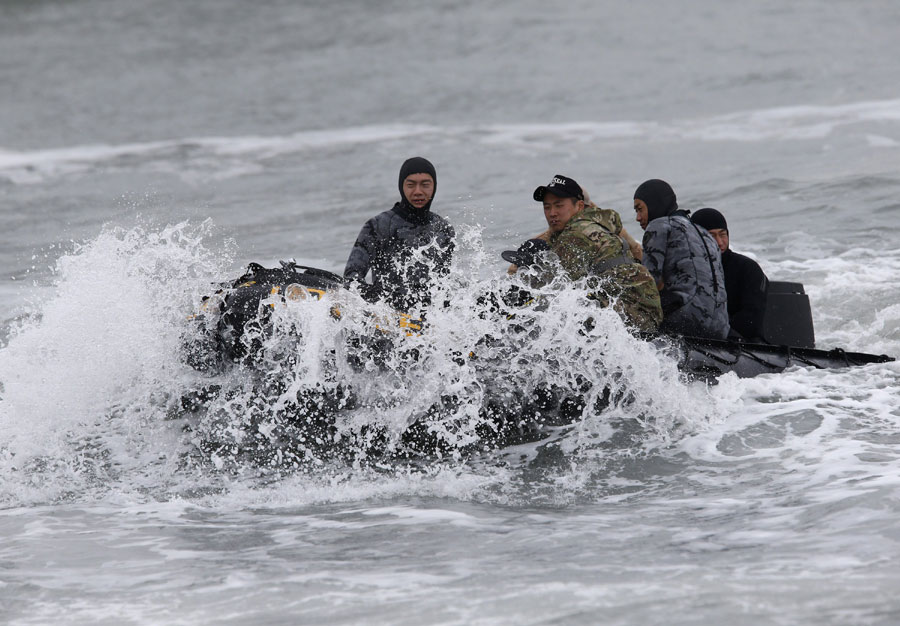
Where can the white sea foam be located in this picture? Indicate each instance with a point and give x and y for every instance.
(852, 294)
(89, 380)
(84, 379)
(879, 141)
(25, 167)
(225, 157)
(813, 432)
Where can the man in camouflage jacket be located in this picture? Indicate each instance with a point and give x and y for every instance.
(589, 245)
(685, 262)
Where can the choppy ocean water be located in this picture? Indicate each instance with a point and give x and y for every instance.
(146, 152)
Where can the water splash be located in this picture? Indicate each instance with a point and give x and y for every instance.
(87, 376)
(481, 375)
(96, 392)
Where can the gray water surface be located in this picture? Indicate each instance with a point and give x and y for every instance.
(124, 127)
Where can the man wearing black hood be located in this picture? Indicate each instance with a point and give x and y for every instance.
(406, 246)
(745, 282)
(685, 262)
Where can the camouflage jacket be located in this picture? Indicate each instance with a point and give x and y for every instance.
(404, 253)
(589, 246)
(687, 261)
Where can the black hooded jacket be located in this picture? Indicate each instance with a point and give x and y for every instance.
(746, 285)
(745, 282)
(405, 248)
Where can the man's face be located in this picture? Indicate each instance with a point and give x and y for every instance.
(559, 211)
(418, 189)
(642, 213)
(721, 237)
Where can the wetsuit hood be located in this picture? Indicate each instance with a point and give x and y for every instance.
(659, 198)
(416, 165)
(710, 219)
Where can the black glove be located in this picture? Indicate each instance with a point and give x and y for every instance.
(527, 253)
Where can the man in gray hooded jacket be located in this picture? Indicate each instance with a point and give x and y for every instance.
(406, 247)
(686, 263)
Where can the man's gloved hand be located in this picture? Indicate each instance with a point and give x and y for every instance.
(527, 253)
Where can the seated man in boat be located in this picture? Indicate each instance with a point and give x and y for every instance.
(586, 240)
(611, 220)
(745, 282)
(685, 262)
(405, 247)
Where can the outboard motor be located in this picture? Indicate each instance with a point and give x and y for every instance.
(788, 317)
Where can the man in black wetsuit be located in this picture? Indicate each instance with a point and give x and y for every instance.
(745, 282)
(405, 247)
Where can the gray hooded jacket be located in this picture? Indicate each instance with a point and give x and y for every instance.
(687, 260)
(405, 251)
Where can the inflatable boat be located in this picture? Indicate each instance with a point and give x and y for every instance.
(232, 330)
(788, 335)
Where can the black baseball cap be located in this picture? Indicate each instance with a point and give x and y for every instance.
(561, 186)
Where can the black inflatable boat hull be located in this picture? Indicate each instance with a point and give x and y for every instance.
(706, 358)
(713, 358)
